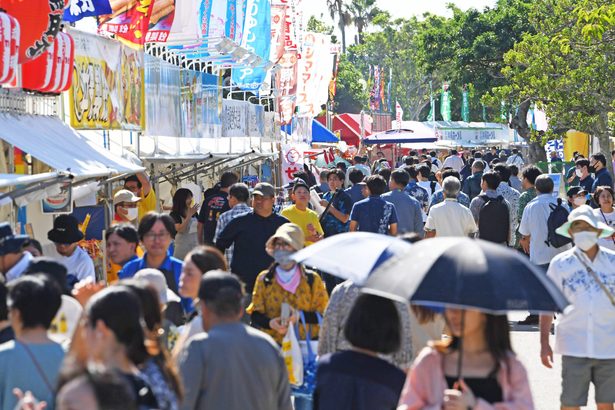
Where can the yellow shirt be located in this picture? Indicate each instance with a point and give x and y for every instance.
(147, 203)
(305, 219)
(113, 269)
(268, 298)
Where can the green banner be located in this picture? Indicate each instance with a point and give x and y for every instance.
(465, 106)
(503, 113)
(484, 113)
(445, 105)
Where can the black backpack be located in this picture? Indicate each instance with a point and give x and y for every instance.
(557, 217)
(494, 220)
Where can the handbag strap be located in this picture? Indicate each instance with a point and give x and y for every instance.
(606, 222)
(39, 369)
(308, 337)
(597, 279)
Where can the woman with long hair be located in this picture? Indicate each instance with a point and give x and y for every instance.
(158, 370)
(604, 197)
(196, 263)
(491, 375)
(115, 338)
(184, 214)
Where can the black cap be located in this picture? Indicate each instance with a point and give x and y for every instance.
(575, 190)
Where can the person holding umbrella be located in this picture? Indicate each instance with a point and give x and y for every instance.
(584, 335)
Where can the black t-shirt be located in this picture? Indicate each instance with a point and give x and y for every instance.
(213, 206)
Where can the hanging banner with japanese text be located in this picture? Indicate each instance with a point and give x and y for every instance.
(465, 106)
(107, 90)
(256, 39)
(161, 20)
(129, 20)
(79, 9)
(292, 161)
(234, 118)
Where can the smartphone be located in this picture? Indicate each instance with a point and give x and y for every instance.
(285, 315)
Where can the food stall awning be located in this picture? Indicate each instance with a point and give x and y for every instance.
(9, 180)
(51, 141)
(320, 133)
(399, 136)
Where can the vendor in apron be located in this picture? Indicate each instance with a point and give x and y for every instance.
(184, 214)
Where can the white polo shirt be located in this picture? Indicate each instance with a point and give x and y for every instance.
(588, 328)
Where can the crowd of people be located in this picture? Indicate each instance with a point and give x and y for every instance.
(172, 328)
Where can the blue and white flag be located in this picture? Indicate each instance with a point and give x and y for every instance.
(555, 145)
(257, 39)
(79, 9)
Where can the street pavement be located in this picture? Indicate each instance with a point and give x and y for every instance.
(545, 383)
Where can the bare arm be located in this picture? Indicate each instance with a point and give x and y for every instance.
(145, 183)
(546, 354)
(430, 234)
(393, 229)
(199, 232)
(353, 226)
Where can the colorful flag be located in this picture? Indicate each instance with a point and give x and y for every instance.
(79, 9)
(129, 22)
(465, 105)
(399, 114)
(389, 86)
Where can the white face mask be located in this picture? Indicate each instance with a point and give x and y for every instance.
(132, 213)
(578, 201)
(585, 240)
(578, 172)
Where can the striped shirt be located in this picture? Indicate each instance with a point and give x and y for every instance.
(224, 219)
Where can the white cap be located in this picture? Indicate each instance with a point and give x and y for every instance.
(155, 278)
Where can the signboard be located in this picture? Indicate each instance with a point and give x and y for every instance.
(292, 161)
(61, 203)
(234, 118)
(107, 90)
(162, 84)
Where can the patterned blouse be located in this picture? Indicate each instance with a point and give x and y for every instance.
(332, 338)
(267, 299)
(166, 397)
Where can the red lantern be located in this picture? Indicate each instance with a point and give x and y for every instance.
(39, 21)
(68, 63)
(15, 33)
(38, 75)
(5, 47)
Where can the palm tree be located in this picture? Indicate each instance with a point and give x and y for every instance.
(362, 13)
(339, 12)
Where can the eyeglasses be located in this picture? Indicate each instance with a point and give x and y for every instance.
(155, 236)
(281, 244)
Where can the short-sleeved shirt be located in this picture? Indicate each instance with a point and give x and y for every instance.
(342, 202)
(79, 265)
(355, 193)
(408, 209)
(213, 206)
(450, 218)
(603, 178)
(305, 219)
(587, 183)
(147, 203)
(374, 214)
(418, 192)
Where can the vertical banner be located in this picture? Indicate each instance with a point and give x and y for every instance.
(465, 105)
(231, 19)
(445, 103)
(307, 81)
(217, 19)
(399, 115)
(162, 104)
(503, 113)
(107, 91)
(129, 21)
(240, 18)
(256, 39)
(186, 28)
(292, 161)
(161, 21)
(278, 20)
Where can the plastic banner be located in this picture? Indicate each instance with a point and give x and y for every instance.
(79, 9)
(107, 90)
(129, 20)
(465, 106)
(278, 20)
(292, 161)
(256, 39)
(445, 104)
(234, 118)
(161, 21)
(231, 19)
(240, 19)
(162, 88)
(307, 86)
(186, 25)
(199, 99)
(256, 120)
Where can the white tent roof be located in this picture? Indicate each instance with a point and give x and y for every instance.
(59, 146)
(8, 180)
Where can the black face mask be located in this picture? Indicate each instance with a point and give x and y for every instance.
(592, 169)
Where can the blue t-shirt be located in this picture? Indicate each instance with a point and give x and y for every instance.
(417, 192)
(374, 214)
(330, 224)
(603, 178)
(171, 268)
(355, 193)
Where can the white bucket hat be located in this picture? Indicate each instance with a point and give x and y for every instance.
(586, 214)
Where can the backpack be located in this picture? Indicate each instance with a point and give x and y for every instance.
(557, 217)
(494, 220)
(432, 185)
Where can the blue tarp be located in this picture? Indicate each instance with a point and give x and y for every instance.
(320, 133)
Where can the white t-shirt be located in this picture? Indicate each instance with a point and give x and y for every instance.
(66, 320)
(79, 265)
(427, 186)
(450, 218)
(609, 219)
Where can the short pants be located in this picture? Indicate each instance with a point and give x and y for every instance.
(579, 372)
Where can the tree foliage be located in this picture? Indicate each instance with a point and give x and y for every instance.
(351, 88)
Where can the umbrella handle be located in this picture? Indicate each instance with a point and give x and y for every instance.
(460, 350)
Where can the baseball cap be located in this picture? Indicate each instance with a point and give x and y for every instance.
(264, 189)
(124, 195)
(576, 190)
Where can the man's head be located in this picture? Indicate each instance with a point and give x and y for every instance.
(450, 172)
(227, 179)
(358, 159)
(529, 175)
(385, 173)
(598, 161)
(376, 185)
(451, 187)
(478, 155)
(65, 234)
(133, 184)
(263, 198)
(399, 179)
(301, 195)
(515, 151)
(490, 181)
(52, 269)
(335, 179)
(380, 154)
(356, 176)
(478, 166)
(221, 298)
(432, 154)
(423, 172)
(582, 167)
(341, 166)
(494, 150)
(238, 193)
(514, 170)
(544, 184)
(554, 155)
(11, 247)
(503, 171)
(122, 241)
(33, 302)
(412, 172)
(323, 176)
(454, 152)
(125, 204)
